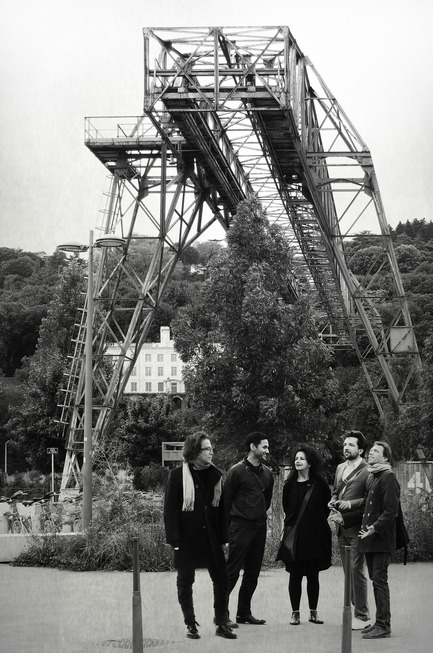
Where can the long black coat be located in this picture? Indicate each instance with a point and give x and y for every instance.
(200, 533)
(314, 539)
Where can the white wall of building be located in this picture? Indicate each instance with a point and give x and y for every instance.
(158, 368)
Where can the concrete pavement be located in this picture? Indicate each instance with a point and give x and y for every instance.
(52, 611)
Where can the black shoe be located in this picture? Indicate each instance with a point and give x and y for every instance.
(232, 624)
(314, 618)
(250, 620)
(296, 618)
(191, 631)
(224, 631)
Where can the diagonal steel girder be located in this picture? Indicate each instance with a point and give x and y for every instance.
(305, 161)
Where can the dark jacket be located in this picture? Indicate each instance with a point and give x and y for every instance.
(248, 491)
(201, 532)
(381, 510)
(314, 539)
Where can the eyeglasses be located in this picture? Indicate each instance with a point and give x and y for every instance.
(206, 449)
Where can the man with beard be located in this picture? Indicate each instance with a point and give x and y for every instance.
(248, 492)
(347, 505)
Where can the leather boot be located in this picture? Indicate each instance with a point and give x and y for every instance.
(296, 618)
(314, 618)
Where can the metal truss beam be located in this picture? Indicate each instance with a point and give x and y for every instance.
(153, 198)
(229, 113)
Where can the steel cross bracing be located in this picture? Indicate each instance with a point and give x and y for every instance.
(230, 113)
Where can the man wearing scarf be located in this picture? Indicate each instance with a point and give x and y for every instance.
(196, 527)
(378, 533)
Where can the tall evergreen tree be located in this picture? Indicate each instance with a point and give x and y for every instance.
(255, 361)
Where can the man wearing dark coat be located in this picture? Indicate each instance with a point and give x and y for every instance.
(378, 533)
(196, 527)
(248, 492)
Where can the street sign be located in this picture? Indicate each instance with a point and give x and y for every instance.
(53, 450)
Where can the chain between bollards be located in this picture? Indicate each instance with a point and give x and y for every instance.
(346, 637)
(137, 623)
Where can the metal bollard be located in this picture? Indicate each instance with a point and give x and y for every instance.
(346, 637)
(137, 623)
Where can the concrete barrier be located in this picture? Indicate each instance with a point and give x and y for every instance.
(11, 545)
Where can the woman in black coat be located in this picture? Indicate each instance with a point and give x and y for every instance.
(196, 527)
(314, 541)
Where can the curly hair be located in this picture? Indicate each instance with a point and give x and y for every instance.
(312, 457)
(192, 445)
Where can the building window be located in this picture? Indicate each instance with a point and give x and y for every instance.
(147, 358)
(147, 371)
(134, 371)
(174, 371)
(173, 358)
(160, 387)
(148, 386)
(174, 387)
(160, 371)
(133, 386)
(160, 358)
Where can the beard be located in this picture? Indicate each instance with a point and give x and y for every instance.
(349, 455)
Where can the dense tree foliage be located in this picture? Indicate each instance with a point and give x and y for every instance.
(32, 424)
(141, 424)
(27, 283)
(255, 361)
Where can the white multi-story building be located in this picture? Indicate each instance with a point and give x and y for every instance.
(158, 368)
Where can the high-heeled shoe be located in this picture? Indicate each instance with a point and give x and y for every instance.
(314, 618)
(295, 620)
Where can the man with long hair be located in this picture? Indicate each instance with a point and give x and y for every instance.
(196, 527)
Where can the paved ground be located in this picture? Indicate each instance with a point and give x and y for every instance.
(50, 611)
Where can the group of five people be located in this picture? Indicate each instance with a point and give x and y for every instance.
(221, 525)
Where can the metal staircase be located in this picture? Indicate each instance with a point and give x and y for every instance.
(230, 113)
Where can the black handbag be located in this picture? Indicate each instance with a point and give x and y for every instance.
(287, 548)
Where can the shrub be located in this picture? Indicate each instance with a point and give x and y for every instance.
(150, 477)
(418, 516)
(121, 514)
(107, 544)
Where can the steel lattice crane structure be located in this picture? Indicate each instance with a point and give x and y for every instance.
(231, 113)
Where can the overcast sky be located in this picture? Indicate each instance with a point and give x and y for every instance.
(62, 60)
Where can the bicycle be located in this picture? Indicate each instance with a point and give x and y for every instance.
(73, 515)
(18, 523)
(49, 518)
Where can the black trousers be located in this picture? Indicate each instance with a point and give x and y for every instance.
(247, 546)
(185, 581)
(377, 565)
(310, 569)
